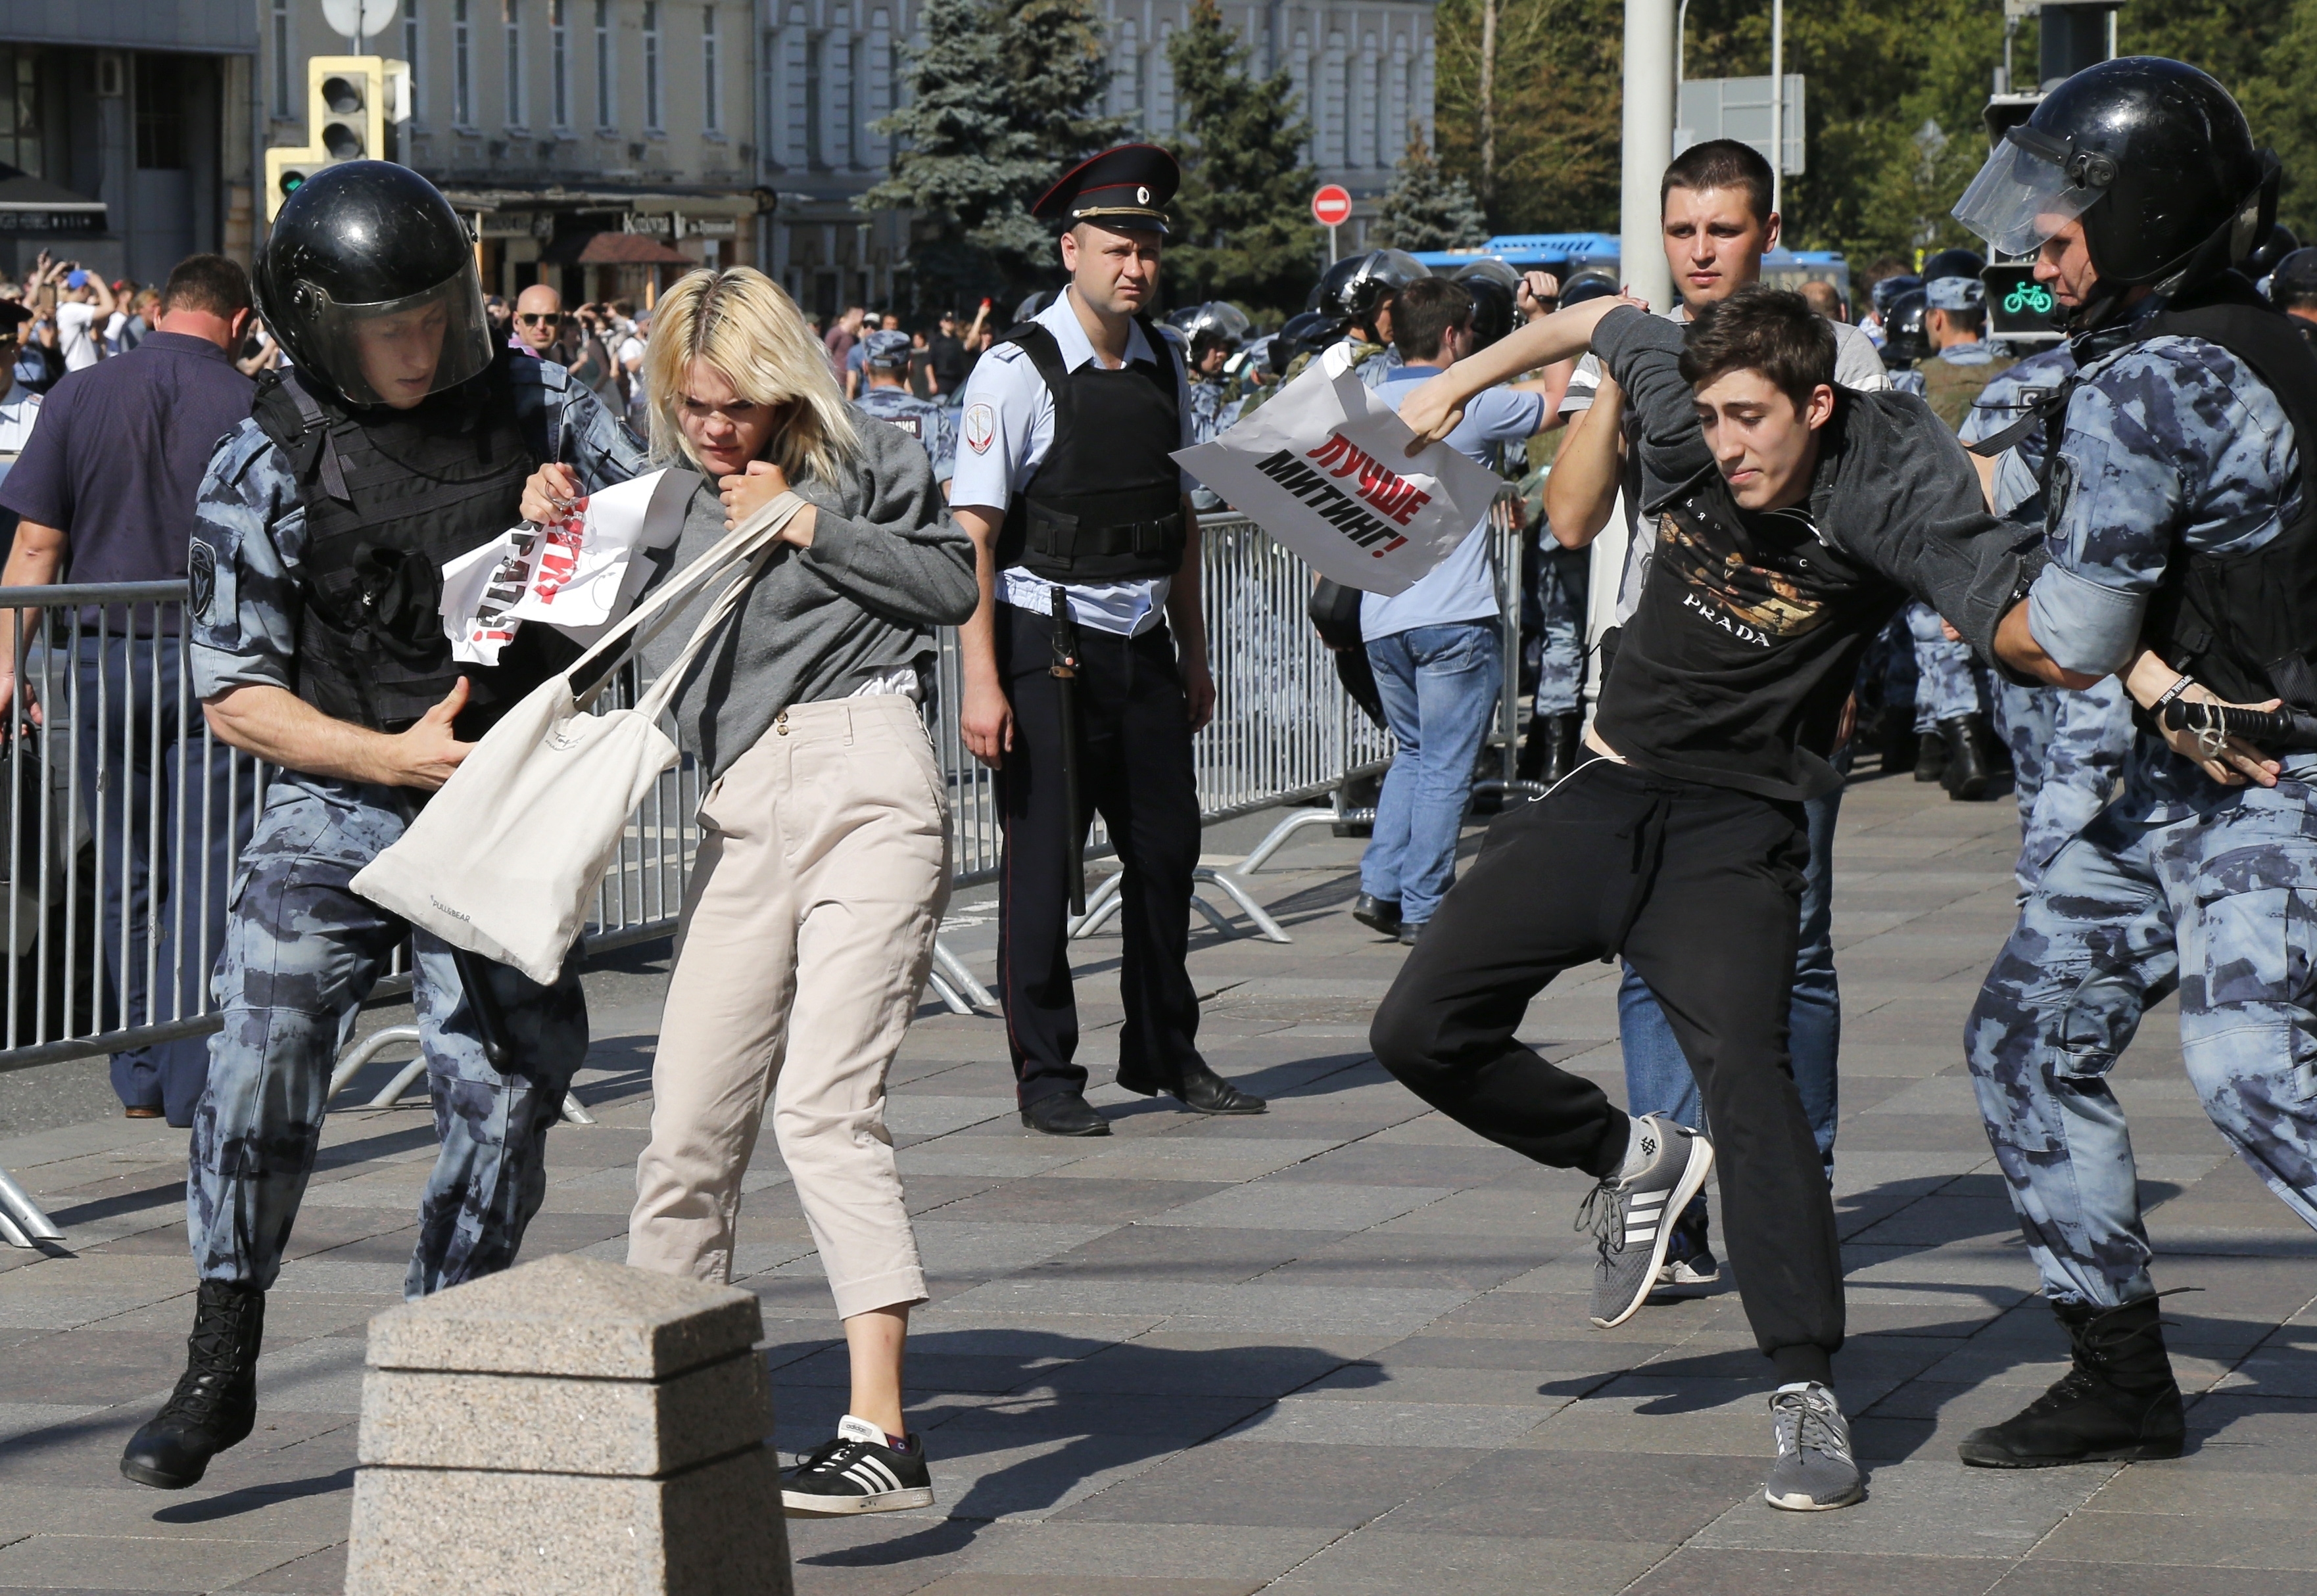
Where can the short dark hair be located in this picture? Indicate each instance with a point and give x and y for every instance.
(1972, 318)
(1766, 330)
(207, 282)
(1721, 164)
(1424, 313)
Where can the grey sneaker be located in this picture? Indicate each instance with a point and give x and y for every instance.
(1814, 1470)
(1628, 1221)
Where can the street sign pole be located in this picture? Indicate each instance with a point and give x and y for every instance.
(1332, 251)
(1331, 207)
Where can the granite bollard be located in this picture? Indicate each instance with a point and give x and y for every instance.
(569, 1426)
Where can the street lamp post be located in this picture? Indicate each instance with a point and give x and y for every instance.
(1647, 147)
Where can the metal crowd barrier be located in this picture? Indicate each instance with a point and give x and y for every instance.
(107, 767)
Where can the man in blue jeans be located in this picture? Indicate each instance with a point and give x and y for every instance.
(1436, 649)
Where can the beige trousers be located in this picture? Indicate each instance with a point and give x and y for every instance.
(807, 934)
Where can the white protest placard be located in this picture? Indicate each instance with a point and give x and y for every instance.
(576, 575)
(1324, 468)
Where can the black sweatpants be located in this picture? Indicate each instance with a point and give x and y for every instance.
(1134, 753)
(1700, 888)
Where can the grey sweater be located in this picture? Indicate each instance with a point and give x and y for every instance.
(887, 566)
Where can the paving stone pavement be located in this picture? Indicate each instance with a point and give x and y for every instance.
(1340, 1348)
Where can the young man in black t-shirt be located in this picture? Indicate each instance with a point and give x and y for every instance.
(1793, 518)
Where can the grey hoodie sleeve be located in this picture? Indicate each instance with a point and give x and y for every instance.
(898, 553)
(1643, 354)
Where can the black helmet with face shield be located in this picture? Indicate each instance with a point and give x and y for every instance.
(1906, 332)
(2154, 157)
(1215, 325)
(368, 281)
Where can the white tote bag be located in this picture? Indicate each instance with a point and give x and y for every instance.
(504, 859)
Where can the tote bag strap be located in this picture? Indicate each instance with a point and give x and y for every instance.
(657, 698)
(751, 538)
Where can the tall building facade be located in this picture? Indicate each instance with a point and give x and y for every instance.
(604, 145)
(831, 69)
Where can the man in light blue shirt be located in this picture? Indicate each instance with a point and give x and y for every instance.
(1436, 649)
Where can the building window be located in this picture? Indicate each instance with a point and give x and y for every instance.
(606, 106)
(20, 108)
(410, 50)
(160, 102)
(282, 58)
(462, 66)
(511, 15)
(711, 115)
(651, 66)
(560, 61)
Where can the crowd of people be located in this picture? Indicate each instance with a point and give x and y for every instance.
(2104, 549)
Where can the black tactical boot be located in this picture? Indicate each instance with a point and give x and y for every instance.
(1563, 752)
(1970, 768)
(2118, 1402)
(1931, 757)
(215, 1404)
(1895, 732)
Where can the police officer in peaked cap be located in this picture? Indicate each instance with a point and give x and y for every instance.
(1089, 565)
(398, 439)
(2181, 527)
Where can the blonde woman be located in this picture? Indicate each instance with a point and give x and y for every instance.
(824, 856)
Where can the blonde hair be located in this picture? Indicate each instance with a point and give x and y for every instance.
(740, 322)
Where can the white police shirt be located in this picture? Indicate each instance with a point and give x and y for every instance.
(1006, 425)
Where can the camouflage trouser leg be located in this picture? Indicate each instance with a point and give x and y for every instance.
(1560, 592)
(301, 952)
(2220, 903)
(2067, 750)
(1946, 686)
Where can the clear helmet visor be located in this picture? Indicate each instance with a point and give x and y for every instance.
(2022, 197)
(398, 352)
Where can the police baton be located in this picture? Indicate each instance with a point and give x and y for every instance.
(1065, 671)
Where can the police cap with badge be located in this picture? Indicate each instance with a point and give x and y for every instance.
(1125, 190)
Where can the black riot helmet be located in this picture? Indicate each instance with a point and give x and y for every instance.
(1216, 324)
(1592, 283)
(1355, 286)
(1954, 263)
(2293, 285)
(1906, 337)
(2154, 157)
(1306, 332)
(2280, 244)
(1495, 288)
(369, 282)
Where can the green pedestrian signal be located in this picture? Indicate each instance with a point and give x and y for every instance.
(2029, 299)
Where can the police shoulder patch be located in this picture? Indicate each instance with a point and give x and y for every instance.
(200, 578)
(980, 428)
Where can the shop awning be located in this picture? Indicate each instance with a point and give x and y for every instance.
(33, 206)
(613, 249)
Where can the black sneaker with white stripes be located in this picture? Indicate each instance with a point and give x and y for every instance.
(858, 1473)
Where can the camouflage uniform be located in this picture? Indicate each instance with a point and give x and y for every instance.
(2067, 747)
(1947, 681)
(2181, 883)
(1371, 363)
(302, 951)
(1212, 409)
(931, 424)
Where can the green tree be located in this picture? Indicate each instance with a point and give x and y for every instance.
(1244, 229)
(1525, 108)
(1425, 208)
(1001, 102)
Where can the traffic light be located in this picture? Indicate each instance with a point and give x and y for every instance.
(2021, 309)
(353, 103)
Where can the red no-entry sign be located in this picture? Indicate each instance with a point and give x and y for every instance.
(1331, 206)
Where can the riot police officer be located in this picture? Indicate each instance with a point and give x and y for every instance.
(1357, 292)
(1215, 333)
(398, 439)
(2293, 288)
(887, 399)
(2180, 524)
(1085, 671)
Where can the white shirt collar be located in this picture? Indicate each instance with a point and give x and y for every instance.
(1070, 336)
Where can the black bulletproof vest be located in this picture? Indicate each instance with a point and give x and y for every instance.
(2245, 625)
(1106, 502)
(391, 497)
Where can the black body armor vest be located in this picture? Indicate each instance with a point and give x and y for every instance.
(391, 497)
(2245, 625)
(1106, 502)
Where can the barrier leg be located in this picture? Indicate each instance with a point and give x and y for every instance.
(1265, 926)
(1509, 786)
(1100, 907)
(960, 980)
(403, 1082)
(951, 998)
(22, 1222)
(1282, 834)
(574, 1113)
(361, 1053)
